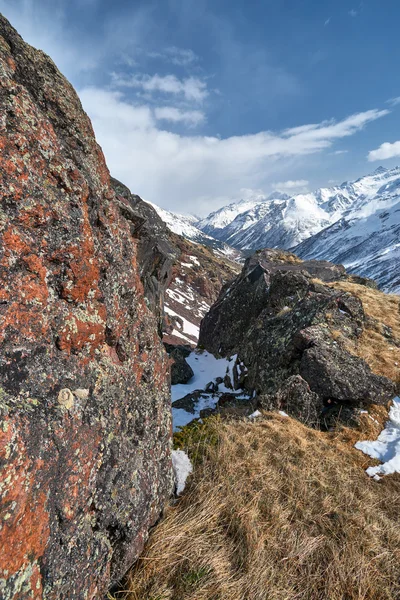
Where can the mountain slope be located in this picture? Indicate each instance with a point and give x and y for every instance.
(283, 221)
(197, 278)
(356, 223)
(185, 226)
(368, 245)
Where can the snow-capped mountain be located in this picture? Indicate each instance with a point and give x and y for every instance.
(216, 222)
(356, 223)
(185, 225)
(282, 221)
(276, 223)
(366, 242)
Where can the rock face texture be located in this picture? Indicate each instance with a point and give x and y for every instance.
(285, 325)
(84, 379)
(157, 250)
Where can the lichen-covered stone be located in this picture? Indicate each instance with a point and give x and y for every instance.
(85, 422)
(285, 327)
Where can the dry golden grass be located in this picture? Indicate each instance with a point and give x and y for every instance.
(286, 257)
(382, 355)
(276, 511)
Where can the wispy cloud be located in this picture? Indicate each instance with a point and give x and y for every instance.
(192, 118)
(196, 170)
(327, 21)
(191, 88)
(291, 184)
(353, 12)
(321, 135)
(337, 152)
(393, 101)
(385, 151)
(181, 57)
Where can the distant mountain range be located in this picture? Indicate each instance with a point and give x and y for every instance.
(356, 223)
(186, 226)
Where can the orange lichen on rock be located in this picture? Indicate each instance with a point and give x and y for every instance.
(24, 527)
(77, 342)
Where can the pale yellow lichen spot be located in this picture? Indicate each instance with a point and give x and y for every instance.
(81, 393)
(66, 398)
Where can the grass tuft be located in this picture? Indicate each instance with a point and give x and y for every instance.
(379, 344)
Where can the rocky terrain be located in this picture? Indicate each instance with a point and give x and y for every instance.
(296, 366)
(192, 274)
(85, 421)
(300, 337)
(104, 305)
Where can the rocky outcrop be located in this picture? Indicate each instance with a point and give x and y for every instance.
(84, 379)
(181, 371)
(289, 328)
(156, 251)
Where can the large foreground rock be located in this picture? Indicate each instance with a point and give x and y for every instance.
(84, 383)
(290, 330)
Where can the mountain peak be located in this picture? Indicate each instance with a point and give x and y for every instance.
(380, 170)
(277, 195)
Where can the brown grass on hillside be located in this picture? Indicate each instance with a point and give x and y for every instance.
(379, 351)
(285, 257)
(276, 511)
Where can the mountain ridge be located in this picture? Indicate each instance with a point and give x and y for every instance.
(311, 224)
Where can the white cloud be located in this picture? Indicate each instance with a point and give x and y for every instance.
(385, 151)
(321, 135)
(393, 101)
(327, 21)
(291, 184)
(353, 12)
(191, 88)
(337, 152)
(176, 115)
(188, 172)
(122, 117)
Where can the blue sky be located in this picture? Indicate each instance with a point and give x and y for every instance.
(199, 102)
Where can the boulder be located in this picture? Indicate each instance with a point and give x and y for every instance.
(296, 399)
(290, 330)
(273, 279)
(85, 420)
(334, 373)
(181, 371)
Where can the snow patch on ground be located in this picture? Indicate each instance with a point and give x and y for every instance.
(387, 447)
(182, 469)
(255, 414)
(206, 368)
(188, 328)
